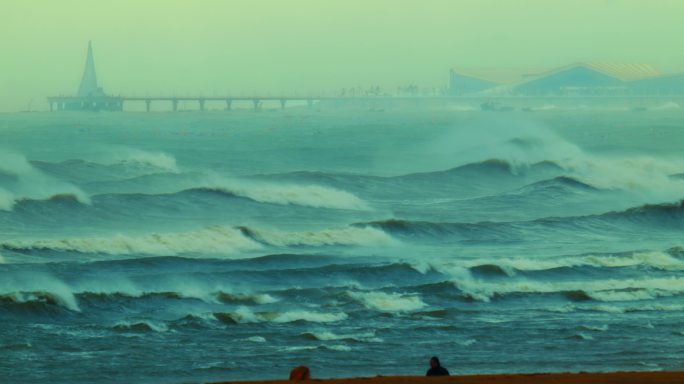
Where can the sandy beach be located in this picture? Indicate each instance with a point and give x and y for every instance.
(556, 378)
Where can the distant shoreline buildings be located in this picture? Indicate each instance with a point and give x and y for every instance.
(579, 79)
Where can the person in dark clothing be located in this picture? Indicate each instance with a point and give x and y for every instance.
(436, 368)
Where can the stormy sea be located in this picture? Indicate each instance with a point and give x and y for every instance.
(225, 245)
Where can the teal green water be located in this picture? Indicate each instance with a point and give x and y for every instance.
(190, 247)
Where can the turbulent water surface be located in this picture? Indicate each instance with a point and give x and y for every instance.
(190, 247)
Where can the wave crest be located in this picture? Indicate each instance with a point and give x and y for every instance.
(214, 240)
(314, 196)
(388, 302)
(245, 315)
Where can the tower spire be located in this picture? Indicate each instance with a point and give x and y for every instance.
(88, 87)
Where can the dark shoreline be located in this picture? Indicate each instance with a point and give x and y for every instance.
(533, 378)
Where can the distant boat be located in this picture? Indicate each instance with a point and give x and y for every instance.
(492, 106)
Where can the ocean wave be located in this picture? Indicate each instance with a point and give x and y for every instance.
(335, 348)
(388, 302)
(244, 315)
(256, 339)
(61, 299)
(343, 236)
(490, 168)
(315, 196)
(28, 183)
(13, 163)
(510, 266)
(560, 181)
(608, 290)
(662, 215)
(596, 328)
(256, 298)
(582, 336)
(213, 240)
(365, 337)
(37, 290)
(666, 106)
(159, 160)
(486, 230)
(6, 200)
(140, 326)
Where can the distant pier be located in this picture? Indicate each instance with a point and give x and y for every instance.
(172, 103)
(91, 97)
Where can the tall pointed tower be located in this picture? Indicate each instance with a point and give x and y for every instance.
(88, 87)
(90, 96)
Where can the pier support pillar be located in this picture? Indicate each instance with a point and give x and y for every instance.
(229, 103)
(282, 103)
(148, 103)
(201, 104)
(174, 105)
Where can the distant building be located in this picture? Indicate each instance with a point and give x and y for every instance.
(579, 79)
(90, 96)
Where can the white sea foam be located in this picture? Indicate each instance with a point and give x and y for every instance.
(330, 336)
(366, 236)
(256, 339)
(314, 317)
(466, 343)
(338, 348)
(258, 298)
(666, 106)
(138, 157)
(213, 240)
(388, 302)
(31, 184)
(597, 328)
(25, 287)
(288, 194)
(246, 315)
(602, 290)
(7, 200)
(13, 163)
(653, 259)
(523, 143)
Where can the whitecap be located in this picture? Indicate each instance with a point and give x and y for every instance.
(388, 302)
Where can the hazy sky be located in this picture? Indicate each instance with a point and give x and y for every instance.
(218, 47)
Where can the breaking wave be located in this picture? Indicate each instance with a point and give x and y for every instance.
(364, 337)
(140, 326)
(37, 299)
(608, 290)
(388, 302)
(246, 315)
(344, 236)
(27, 183)
(213, 240)
(138, 158)
(303, 195)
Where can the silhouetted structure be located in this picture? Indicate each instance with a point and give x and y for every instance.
(90, 96)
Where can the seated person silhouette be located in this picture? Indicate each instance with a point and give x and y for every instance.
(436, 368)
(300, 373)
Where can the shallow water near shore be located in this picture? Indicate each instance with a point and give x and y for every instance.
(194, 247)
